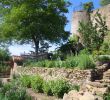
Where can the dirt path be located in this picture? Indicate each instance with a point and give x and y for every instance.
(40, 96)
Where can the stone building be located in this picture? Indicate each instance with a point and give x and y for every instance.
(83, 16)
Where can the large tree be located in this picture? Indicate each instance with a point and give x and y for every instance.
(32, 21)
(104, 2)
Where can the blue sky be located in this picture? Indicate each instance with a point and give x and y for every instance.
(18, 49)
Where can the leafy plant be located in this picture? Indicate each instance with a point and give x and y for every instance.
(85, 62)
(59, 87)
(106, 97)
(88, 6)
(103, 58)
(26, 81)
(37, 83)
(74, 87)
(93, 34)
(47, 87)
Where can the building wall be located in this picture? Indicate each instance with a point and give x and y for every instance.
(76, 18)
(83, 16)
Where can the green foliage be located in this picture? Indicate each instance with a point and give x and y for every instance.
(104, 58)
(93, 34)
(104, 2)
(34, 21)
(71, 62)
(2, 97)
(4, 54)
(5, 88)
(74, 87)
(47, 87)
(25, 81)
(37, 83)
(85, 62)
(106, 97)
(88, 6)
(13, 91)
(59, 87)
(105, 48)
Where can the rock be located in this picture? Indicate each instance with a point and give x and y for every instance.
(89, 96)
(72, 95)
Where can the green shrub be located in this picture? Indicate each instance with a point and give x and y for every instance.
(13, 91)
(59, 87)
(17, 93)
(47, 88)
(5, 88)
(2, 97)
(103, 59)
(74, 87)
(106, 97)
(26, 81)
(71, 61)
(37, 83)
(85, 62)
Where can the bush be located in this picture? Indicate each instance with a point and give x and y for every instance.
(71, 62)
(85, 62)
(26, 81)
(13, 91)
(103, 58)
(2, 97)
(59, 87)
(74, 87)
(47, 88)
(37, 83)
(5, 88)
(106, 97)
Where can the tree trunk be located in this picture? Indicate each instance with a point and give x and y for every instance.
(36, 43)
(36, 46)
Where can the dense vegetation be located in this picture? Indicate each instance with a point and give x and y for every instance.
(17, 88)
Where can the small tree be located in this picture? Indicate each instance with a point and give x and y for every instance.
(93, 32)
(88, 6)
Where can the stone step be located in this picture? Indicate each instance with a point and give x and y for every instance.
(103, 81)
(97, 84)
(97, 90)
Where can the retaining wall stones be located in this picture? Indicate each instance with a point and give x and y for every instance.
(72, 76)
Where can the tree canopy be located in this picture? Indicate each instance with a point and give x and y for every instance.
(32, 21)
(104, 2)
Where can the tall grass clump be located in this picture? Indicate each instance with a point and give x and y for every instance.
(85, 61)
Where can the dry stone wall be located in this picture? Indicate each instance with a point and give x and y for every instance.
(72, 76)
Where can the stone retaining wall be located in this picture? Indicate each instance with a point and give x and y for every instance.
(73, 76)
